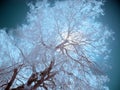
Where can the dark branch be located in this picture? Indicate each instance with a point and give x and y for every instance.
(12, 79)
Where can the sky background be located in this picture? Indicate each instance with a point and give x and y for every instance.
(13, 13)
(112, 20)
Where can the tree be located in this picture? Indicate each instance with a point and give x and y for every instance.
(58, 48)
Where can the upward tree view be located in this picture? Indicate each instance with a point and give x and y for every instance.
(59, 48)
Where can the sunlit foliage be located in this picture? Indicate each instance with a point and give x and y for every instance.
(57, 49)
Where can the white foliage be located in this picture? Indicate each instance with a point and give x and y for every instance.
(66, 32)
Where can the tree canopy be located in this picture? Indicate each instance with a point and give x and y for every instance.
(57, 49)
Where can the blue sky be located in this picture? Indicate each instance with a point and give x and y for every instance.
(112, 20)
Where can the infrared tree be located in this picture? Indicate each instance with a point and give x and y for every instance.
(59, 48)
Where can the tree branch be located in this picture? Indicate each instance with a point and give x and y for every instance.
(12, 79)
